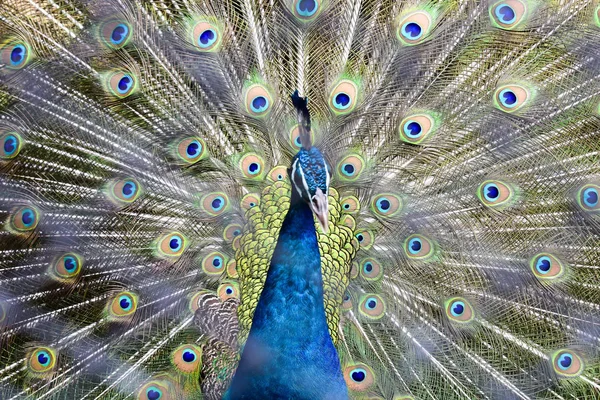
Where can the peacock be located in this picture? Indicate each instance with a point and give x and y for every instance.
(300, 199)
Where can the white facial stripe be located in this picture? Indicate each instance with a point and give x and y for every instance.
(327, 179)
(294, 166)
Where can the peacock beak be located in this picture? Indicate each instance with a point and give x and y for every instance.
(319, 206)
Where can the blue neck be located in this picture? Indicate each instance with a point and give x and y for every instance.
(289, 352)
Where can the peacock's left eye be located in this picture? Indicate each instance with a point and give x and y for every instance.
(122, 305)
(343, 97)
(15, 55)
(588, 198)
(187, 358)
(41, 360)
(258, 100)
(306, 10)
(115, 34)
(11, 145)
(121, 84)
(414, 27)
(459, 310)
(418, 247)
(359, 377)
(510, 98)
(567, 363)
(172, 245)
(508, 14)
(24, 219)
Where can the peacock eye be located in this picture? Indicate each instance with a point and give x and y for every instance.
(546, 266)
(306, 10)
(567, 363)
(258, 100)
(122, 305)
(228, 290)
(343, 97)
(231, 231)
(350, 168)
(24, 219)
(41, 360)
(459, 310)
(15, 55)
(350, 204)
(115, 34)
(508, 14)
(510, 98)
(414, 27)
(215, 203)
(121, 84)
(206, 36)
(365, 239)
(252, 166)
(67, 267)
(191, 150)
(171, 245)
(186, 358)
(495, 193)
(11, 145)
(124, 191)
(371, 269)
(588, 198)
(214, 263)
(163, 389)
(416, 128)
(372, 306)
(418, 247)
(386, 205)
(359, 377)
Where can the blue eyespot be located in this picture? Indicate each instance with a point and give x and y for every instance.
(413, 129)
(175, 243)
(70, 263)
(125, 84)
(11, 143)
(491, 192)
(254, 168)
(371, 303)
(43, 358)
(457, 308)
(279, 177)
(383, 204)
(412, 30)
(307, 8)
(414, 245)
(18, 55)
(189, 356)
(543, 265)
(368, 267)
(229, 290)
(590, 197)
(360, 237)
(508, 98)
(358, 375)
(119, 34)
(129, 189)
(125, 303)
(259, 104)
(348, 169)
(218, 203)
(28, 217)
(252, 204)
(217, 262)
(298, 142)
(193, 149)
(342, 101)
(565, 361)
(153, 393)
(207, 38)
(505, 13)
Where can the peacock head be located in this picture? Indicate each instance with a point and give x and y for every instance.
(310, 178)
